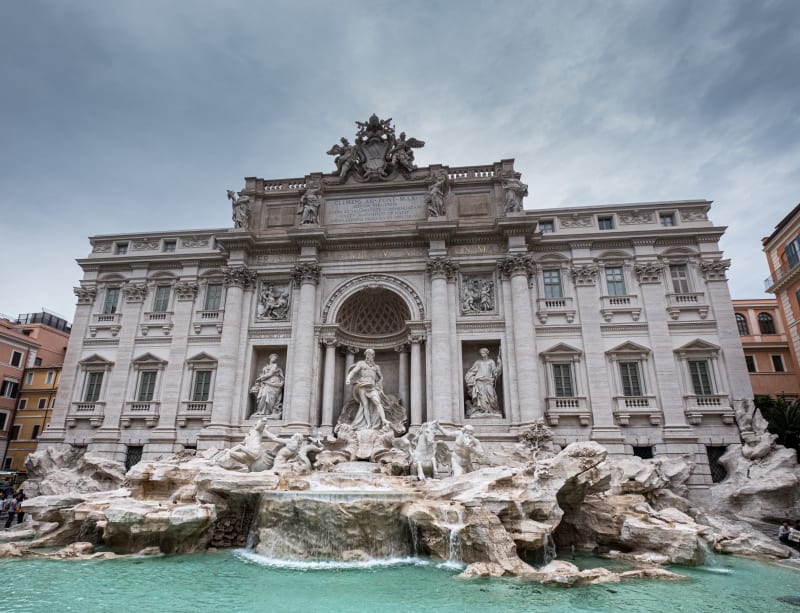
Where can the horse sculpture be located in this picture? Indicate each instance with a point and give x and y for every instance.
(428, 454)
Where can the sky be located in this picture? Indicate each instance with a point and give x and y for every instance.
(137, 116)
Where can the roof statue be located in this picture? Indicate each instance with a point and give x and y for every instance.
(377, 154)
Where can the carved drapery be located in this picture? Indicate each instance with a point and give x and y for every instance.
(238, 276)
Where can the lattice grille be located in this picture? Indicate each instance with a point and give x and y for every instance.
(373, 312)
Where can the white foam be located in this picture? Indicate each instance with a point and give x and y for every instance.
(250, 556)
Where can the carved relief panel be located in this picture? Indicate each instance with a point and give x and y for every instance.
(274, 301)
(478, 294)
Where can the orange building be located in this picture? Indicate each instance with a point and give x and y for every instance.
(782, 249)
(17, 351)
(770, 362)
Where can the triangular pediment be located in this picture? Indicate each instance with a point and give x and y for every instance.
(149, 358)
(202, 358)
(698, 345)
(629, 347)
(562, 349)
(96, 360)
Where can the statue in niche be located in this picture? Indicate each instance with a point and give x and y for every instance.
(309, 206)
(477, 296)
(435, 198)
(516, 190)
(241, 210)
(268, 389)
(402, 152)
(466, 448)
(272, 303)
(480, 380)
(367, 391)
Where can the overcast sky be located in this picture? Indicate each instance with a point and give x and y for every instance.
(137, 116)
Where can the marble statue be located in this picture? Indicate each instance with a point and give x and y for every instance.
(309, 206)
(435, 198)
(516, 190)
(268, 389)
(273, 303)
(367, 389)
(428, 454)
(347, 157)
(248, 454)
(402, 152)
(292, 454)
(481, 380)
(241, 210)
(477, 296)
(466, 448)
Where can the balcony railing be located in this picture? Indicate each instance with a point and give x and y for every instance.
(135, 409)
(699, 406)
(93, 411)
(620, 304)
(567, 406)
(555, 306)
(644, 406)
(780, 273)
(157, 319)
(692, 301)
(194, 409)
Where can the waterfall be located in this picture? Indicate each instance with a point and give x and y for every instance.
(520, 510)
(550, 551)
(413, 529)
(454, 520)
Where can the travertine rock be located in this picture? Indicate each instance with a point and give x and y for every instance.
(69, 470)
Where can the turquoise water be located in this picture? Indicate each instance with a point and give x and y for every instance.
(238, 582)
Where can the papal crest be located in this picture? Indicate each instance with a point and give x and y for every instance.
(377, 155)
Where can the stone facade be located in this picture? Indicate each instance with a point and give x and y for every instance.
(613, 323)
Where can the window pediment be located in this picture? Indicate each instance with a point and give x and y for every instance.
(148, 359)
(561, 350)
(698, 347)
(96, 360)
(630, 350)
(202, 359)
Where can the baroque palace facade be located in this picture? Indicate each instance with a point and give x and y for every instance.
(612, 323)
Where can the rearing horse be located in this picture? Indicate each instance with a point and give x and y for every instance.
(426, 452)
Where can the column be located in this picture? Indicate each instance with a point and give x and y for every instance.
(349, 360)
(328, 382)
(402, 374)
(518, 268)
(416, 380)
(236, 279)
(441, 269)
(306, 274)
(508, 352)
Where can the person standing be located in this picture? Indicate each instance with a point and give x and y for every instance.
(20, 512)
(783, 533)
(12, 510)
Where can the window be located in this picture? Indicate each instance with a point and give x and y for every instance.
(133, 455)
(631, 379)
(741, 323)
(202, 385)
(121, 248)
(161, 300)
(552, 284)
(169, 246)
(3, 417)
(797, 297)
(605, 223)
(147, 385)
(766, 324)
(701, 377)
(666, 219)
(94, 380)
(52, 402)
(750, 361)
(42, 403)
(23, 403)
(37, 362)
(7, 464)
(562, 380)
(714, 453)
(547, 227)
(646, 453)
(48, 380)
(777, 363)
(14, 435)
(9, 388)
(16, 359)
(680, 278)
(35, 433)
(792, 252)
(111, 301)
(615, 281)
(213, 296)
(29, 378)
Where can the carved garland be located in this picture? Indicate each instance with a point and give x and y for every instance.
(372, 280)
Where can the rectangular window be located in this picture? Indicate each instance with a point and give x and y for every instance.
(132, 456)
(9, 388)
(546, 227)
(552, 284)
(37, 361)
(93, 382)
(714, 453)
(777, 363)
(213, 296)
(29, 378)
(169, 246)
(751, 363)
(23, 403)
(646, 453)
(14, 435)
(111, 301)
(121, 248)
(666, 219)
(631, 379)
(605, 223)
(147, 385)
(161, 300)
(7, 464)
(680, 278)
(52, 402)
(16, 358)
(48, 380)
(792, 252)
(562, 380)
(42, 403)
(3, 417)
(701, 377)
(202, 385)
(615, 281)
(35, 433)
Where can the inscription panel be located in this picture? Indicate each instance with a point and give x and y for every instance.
(406, 207)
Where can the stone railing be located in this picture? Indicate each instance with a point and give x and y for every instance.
(470, 172)
(284, 185)
(693, 301)
(208, 318)
(157, 319)
(555, 306)
(194, 409)
(698, 407)
(620, 304)
(626, 407)
(567, 406)
(92, 411)
(141, 409)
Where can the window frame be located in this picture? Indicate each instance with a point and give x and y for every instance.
(111, 307)
(16, 356)
(766, 324)
(750, 363)
(666, 217)
(169, 245)
(605, 222)
(22, 404)
(615, 283)
(92, 386)
(778, 363)
(552, 290)
(121, 247)
(680, 283)
(161, 299)
(547, 226)
(701, 377)
(559, 380)
(9, 384)
(632, 367)
(195, 381)
(742, 325)
(208, 295)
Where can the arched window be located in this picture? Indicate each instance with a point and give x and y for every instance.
(765, 323)
(741, 323)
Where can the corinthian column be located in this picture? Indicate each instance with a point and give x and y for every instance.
(236, 280)
(306, 275)
(416, 380)
(328, 382)
(441, 269)
(518, 269)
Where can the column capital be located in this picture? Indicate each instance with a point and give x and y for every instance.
(238, 276)
(516, 264)
(584, 275)
(85, 294)
(350, 349)
(306, 272)
(134, 292)
(714, 270)
(186, 290)
(416, 339)
(401, 348)
(329, 343)
(649, 272)
(442, 267)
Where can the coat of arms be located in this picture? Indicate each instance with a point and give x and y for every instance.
(377, 155)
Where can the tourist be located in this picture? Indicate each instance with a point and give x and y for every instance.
(20, 512)
(783, 532)
(12, 509)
